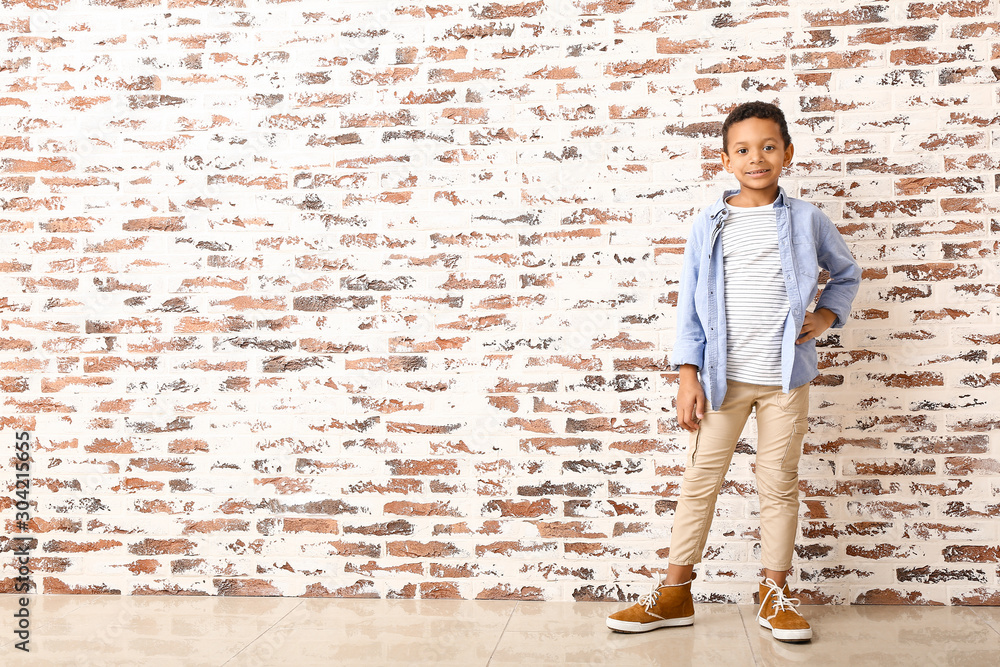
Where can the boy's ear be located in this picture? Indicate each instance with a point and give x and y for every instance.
(789, 152)
(725, 161)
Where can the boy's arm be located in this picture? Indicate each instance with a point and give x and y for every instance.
(845, 274)
(689, 345)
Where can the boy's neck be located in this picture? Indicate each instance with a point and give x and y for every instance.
(747, 198)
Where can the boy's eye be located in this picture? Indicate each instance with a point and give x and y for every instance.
(741, 150)
(769, 148)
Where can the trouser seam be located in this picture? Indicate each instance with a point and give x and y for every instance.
(706, 521)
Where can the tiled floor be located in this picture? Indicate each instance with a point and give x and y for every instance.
(238, 632)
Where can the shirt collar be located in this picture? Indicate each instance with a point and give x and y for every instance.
(720, 204)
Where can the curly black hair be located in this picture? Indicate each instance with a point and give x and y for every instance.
(764, 110)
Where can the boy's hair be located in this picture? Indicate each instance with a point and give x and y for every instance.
(764, 110)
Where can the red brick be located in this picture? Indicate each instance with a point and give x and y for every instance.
(882, 551)
(925, 185)
(873, 13)
(980, 596)
(743, 63)
(938, 271)
(970, 465)
(924, 56)
(834, 59)
(893, 596)
(915, 33)
(888, 467)
(971, 554)
(956, 8)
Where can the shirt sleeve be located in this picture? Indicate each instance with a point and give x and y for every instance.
(689, 345)
(845, 274)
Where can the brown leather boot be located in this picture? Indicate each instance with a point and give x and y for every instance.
(778, 614)
(666, 605)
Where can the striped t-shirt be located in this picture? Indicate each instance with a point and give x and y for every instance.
(756, 302)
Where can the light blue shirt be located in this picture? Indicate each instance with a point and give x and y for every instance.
(807, 242)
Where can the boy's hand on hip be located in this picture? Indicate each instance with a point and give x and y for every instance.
(690, 400)
(815, 324)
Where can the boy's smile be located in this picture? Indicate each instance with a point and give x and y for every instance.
(756, 155)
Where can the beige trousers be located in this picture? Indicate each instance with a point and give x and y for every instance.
(781, 425)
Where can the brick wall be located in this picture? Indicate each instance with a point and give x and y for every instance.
(377, 299)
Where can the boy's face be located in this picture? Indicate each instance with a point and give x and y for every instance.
(756, 153)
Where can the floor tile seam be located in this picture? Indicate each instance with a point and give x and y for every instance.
(746, 634)
(263, 632)
(986, 619)
(503, 632)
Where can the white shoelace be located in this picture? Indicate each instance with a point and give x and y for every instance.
(780, 601)
(647, 600)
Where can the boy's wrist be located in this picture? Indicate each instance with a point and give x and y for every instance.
(688, 373)
(830, 316)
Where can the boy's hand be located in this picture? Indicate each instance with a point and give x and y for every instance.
(690, 399)
(815, 324)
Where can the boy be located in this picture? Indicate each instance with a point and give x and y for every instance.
(745, 340)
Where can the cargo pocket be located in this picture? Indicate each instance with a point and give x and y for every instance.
(793, 450)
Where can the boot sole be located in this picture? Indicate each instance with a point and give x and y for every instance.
(802, 635)
(634, 628)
